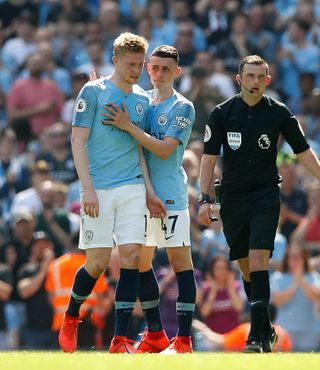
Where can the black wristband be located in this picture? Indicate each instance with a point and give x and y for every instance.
(204, 198)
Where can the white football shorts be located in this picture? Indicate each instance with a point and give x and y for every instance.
(121, 218)
(171, 231)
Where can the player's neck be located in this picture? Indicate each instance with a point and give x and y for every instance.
(250, 100)
(162, 94)
(122, 85)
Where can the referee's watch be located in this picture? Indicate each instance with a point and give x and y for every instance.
(204, 198)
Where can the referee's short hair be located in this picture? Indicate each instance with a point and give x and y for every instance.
(166, 51)
(252, 59)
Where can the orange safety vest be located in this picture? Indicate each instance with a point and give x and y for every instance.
(59, 281)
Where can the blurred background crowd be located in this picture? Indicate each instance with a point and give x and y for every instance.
(47, 49)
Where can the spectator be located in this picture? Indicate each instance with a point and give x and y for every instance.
(14, 254)
(203, 97)
(14, 176)
(31, 276)
(308, 231)
(295, 291)
(29, 198)
(58, 285)
(5, 292)
(52, 220)
(213, 243)
(95, 58)
(184, 43)
(216, 79)
(237, 45)
(222, 302)
(215, 20)
(59, 159)
(53, 71)
(297, 56)
(33, 103)
(293, 199)
(78, 80)
(235, 339)
(16, 50)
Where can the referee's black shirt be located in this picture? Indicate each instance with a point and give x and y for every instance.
(249, 136)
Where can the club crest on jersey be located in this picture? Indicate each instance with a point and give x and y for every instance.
(81, 105)
(88, 235)
(162, 119)
(207, 134)
(264, 142)
(234, 140)
(139, 109)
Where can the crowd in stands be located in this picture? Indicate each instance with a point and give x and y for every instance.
(47, 49)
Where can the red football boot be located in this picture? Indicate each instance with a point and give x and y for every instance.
(178, 344)
(121, 344)
(153, 342)
(68, 335)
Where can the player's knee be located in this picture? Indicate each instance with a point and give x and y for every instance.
(96, 268)
(130, 260)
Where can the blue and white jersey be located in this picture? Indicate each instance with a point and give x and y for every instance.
(112, 153)
(173, 117)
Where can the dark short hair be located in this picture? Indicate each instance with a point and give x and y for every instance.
(166, 51)
(252, 59)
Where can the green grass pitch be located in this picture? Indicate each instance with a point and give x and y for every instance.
(195, 361)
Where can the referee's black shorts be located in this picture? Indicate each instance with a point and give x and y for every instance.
(250, 220)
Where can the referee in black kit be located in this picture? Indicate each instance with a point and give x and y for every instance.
(248, 127)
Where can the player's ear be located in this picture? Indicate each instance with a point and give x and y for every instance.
(268, 80)
(178, 71)
(148, 67)
(115, 59)
(238, 79)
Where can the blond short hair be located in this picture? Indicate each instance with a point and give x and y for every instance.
(129, 42)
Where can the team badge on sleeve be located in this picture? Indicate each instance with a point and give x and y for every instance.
(81, 105)
(207, 134)
(234, 140)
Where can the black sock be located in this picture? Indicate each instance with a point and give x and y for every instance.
(260, 296)
(125, 299)
(185, 301)
(150, 300)
(247, 288)
(81, 289)
(267, 329)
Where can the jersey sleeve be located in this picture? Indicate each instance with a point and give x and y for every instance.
(213, 138)
(293, 133)
(182, 118)
(85, 107)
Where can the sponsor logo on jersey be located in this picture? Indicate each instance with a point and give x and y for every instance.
(234, 140)
(182, 122)
(264, 142)
(81, 105)
(139, 109)
(162, 119)
(207, 134)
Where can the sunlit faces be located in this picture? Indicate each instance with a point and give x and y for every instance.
(255, 78)
(129, 66)
(162, 71)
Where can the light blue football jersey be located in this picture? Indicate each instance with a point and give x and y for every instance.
(112, 153)
(173, 117)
